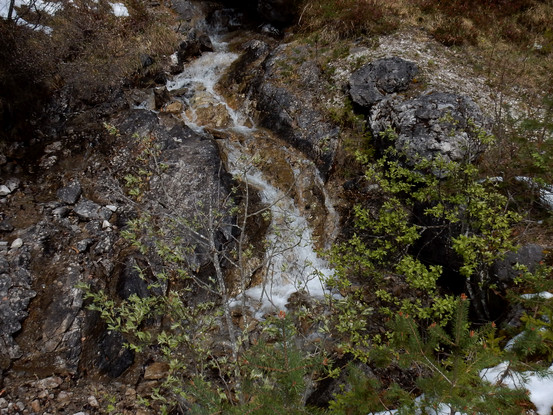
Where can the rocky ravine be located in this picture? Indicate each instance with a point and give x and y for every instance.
(64, 202)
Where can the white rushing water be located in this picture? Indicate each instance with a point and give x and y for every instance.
(291, 262)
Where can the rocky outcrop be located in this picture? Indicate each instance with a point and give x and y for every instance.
(194, 180)
(433, 126)
(372, 82)
(293, 114)
(15, 294)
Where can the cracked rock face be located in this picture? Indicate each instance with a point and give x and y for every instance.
(15, 295)
(431, 126)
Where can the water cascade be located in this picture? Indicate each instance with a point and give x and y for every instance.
(285, 180)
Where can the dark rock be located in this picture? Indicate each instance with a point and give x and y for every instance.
(87, 209)
(82, 246)
(294, 114)
(528, 255)
(15, 295)
(228, 18)
(195, 44)
(161, 96)
(146, 60)
(6, 226)
(371, 83)
(195, 176)
(130, 282)
(278, 11)
(432, 126)
(70, 193)
(105, 213)
(270, 30)
(4, 265)
(243, 68)
(113, 357)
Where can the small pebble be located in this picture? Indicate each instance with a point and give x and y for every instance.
(35, 406)
(18, 243)
(92, 401)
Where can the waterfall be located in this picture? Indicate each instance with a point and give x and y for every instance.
(291, 261)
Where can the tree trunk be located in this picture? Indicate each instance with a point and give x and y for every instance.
(10, 10)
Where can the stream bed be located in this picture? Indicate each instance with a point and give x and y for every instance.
(302, 217)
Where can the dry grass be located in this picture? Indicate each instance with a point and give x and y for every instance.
(452, 22)
(98, 50)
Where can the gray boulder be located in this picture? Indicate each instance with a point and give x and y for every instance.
(87, 209)
(528, 255)
(70, 194)
(434, 125)
(372, 82)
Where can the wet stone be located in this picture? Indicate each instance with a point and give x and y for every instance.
(87, 209)
(60, 212)
(70, 193)
(6, 226)
(83, 245)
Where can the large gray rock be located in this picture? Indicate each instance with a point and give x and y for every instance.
(70, 194)
(530, 256)
(434, 125)
(372, 82)
(195, 180)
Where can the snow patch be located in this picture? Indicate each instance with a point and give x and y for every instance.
(539, 386)
(120, 10)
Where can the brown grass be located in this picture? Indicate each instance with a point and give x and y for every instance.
(452, 22)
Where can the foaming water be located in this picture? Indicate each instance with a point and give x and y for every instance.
(291, 263)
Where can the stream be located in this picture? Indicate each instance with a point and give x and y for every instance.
(302, 216)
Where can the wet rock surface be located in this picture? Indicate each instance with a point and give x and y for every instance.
(295, 115)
